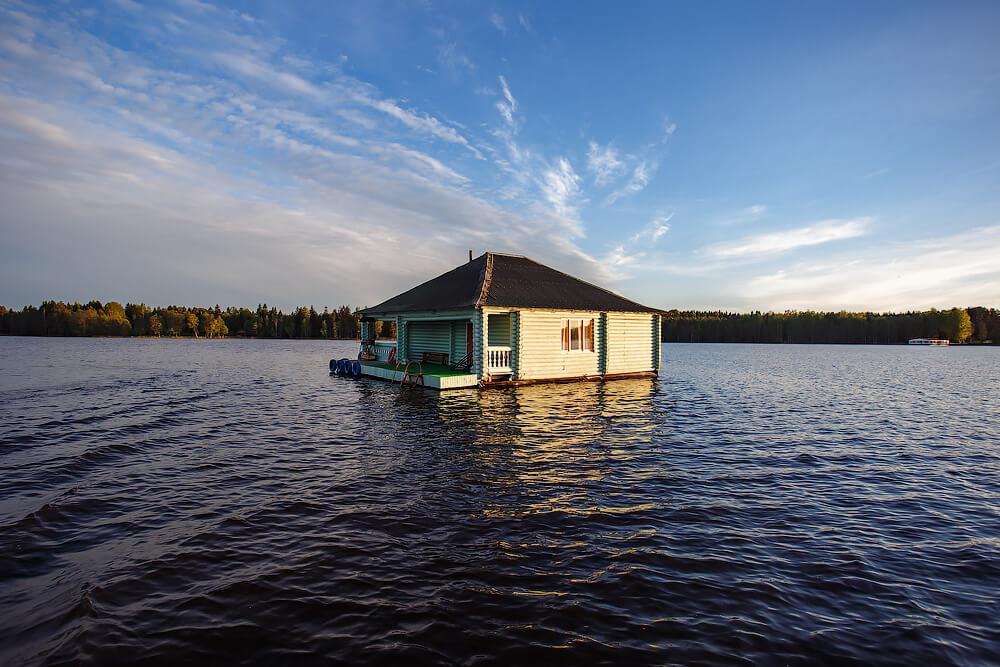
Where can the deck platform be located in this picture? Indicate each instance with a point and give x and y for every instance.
(435, 376)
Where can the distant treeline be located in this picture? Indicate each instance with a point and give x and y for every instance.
(55, 318)
(959, 325)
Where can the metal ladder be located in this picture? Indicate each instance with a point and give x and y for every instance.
(410, 377)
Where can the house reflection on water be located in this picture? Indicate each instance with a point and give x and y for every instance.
(524, 450)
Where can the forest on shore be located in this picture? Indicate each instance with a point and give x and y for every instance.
(958, 325)
(55, 318)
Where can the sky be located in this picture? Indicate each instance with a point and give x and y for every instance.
(737, 156)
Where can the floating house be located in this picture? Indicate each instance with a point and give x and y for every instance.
(506, 319)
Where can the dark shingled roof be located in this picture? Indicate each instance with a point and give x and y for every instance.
(506, 281)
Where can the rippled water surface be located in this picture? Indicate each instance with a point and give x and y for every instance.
(230, 501)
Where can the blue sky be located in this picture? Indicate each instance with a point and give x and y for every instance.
(694, 155)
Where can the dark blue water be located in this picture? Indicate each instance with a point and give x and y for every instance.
(228, 501)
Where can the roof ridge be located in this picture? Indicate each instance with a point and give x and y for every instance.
(487, 277)
(508, 254)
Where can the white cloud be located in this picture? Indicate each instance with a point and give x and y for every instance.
(454, 61)
(561, 186)
(421, 122)
(957, 270)
(193, 231)
(334, 164)
(638, 252)
(351, 90)
(619, 258)
(249, 66)
(421, 161)
(748, 214)
(498, 22)
(603, 162)
(669, 127)
(655, 230)
(641, 176)
(129, 5)
(508, 105)
(774, 243)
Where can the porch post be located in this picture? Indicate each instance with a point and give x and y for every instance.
(479, 363)
(401, 347)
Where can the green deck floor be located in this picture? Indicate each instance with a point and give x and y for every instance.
(437, 370)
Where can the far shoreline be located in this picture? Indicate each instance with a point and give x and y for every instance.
(357, 340)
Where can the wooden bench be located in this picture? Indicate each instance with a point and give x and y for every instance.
(435, 358)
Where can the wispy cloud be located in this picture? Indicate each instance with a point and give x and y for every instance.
(453, 61)
(743, 215)
(640, 178)
(508, 105)
(669, 127)
(618, 258)
(499, 22)
(637, 252)
(344, 88)
(421, 122)
(655, 230)
(247, 65)
(560, 185)
(609, 165)
(603, 162)
(774, 243)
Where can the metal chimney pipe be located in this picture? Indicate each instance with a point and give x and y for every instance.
(470, 255)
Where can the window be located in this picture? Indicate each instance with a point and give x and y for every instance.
(578, 335)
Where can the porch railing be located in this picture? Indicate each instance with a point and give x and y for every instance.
(498, 359)
(383, 348)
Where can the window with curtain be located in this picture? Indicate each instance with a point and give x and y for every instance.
(578, 335)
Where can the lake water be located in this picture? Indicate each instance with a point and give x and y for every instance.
(224, 501)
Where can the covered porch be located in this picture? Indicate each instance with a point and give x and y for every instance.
(452, 349)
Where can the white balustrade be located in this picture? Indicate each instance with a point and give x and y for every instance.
(498, 359)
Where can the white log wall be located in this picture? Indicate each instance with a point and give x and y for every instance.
(539, 346)
(631, 343)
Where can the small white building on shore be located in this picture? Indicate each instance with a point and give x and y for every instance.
(929, 341)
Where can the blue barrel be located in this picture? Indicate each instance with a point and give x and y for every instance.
(343, 366)
(333, 366)
(356, 368)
